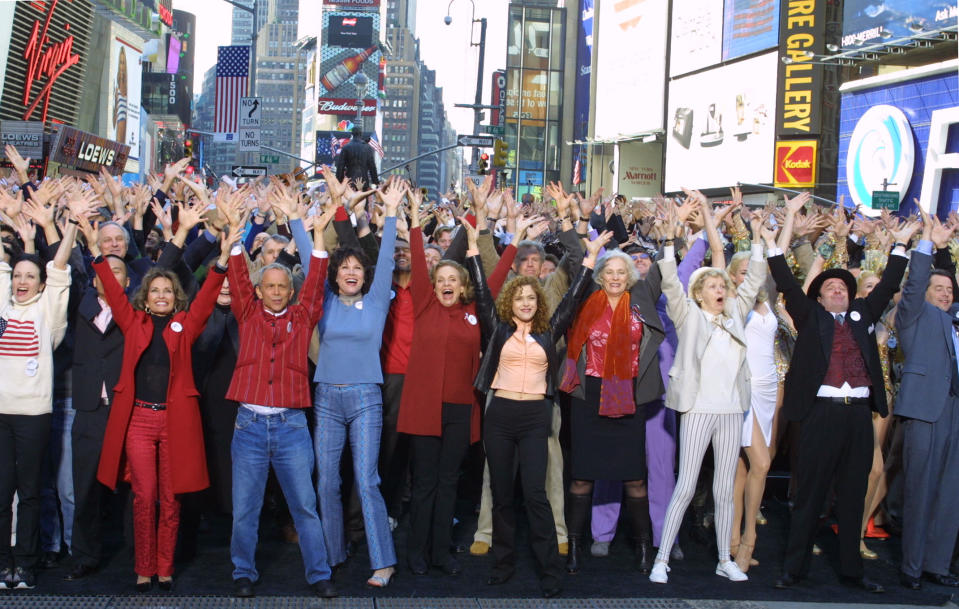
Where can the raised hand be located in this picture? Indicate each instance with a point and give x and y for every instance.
(472, 235)
(903, 234)
(189, 216)
(594, 246)
(164, 217)
(198, 189)
(393, 195)
(20, 164)
(796, 203)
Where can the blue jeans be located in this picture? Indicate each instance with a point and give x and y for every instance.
(283, 441)
(357, 411)
(56, 497)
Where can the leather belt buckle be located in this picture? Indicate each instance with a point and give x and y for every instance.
(846, 400)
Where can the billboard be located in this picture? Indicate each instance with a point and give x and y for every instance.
(328, 145)
(640, 169)
(897, 127)
(869, 21)
(721, 127)
(796, 163)
(629, 93)
(697, 35)
(123, 99)
(799, 96)
(533, 107)
(339, 64)
(584, 61)
(749, 26)
(88, 152)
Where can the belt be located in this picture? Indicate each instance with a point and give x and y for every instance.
(845, 400)
(149, 405)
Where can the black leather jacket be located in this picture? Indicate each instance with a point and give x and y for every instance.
(495, 332)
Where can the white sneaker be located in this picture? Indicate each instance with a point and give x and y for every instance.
(658, 574)
(599, 549)
(731, 570)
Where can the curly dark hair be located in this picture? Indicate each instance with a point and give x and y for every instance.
(467, 296)
(504, 303)
(341, 255)
(180, 300)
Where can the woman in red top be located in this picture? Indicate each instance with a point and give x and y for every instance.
(155, 412)
(439, 408)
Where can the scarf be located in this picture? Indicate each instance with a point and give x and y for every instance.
(616, 395)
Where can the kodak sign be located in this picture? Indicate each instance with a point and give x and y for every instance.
(796, 163)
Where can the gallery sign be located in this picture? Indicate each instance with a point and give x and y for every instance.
(802, 31)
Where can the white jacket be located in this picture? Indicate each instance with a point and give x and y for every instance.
(26, 383)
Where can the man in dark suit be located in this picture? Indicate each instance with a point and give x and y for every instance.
(97, 359)
(356, 161)
(833, 385)
(928, 402)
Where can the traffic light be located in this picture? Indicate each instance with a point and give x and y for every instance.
(500, 153)
(483, 164)
(188, 148)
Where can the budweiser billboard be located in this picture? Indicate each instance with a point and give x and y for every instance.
(354, 4)
(796, 163)
(344, 107)
(88, 152)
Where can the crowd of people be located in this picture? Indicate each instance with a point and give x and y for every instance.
(188, 341)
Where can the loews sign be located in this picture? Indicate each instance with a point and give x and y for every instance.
(88, 152)
(45, 63)
(796, 163)
(802, 29)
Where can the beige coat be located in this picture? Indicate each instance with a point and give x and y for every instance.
(693, 329)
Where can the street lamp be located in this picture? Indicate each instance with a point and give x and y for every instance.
(252, 11)
(361, 81)
(477, 111)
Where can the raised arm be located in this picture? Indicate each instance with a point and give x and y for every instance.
(566, 311)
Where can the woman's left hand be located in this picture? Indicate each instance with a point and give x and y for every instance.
(594, 246)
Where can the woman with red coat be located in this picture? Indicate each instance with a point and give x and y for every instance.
(439, 408)
(155, 412)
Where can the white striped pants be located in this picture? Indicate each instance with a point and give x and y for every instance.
(696, 431)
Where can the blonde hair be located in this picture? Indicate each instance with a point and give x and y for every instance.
(699, 278)
(735, 264)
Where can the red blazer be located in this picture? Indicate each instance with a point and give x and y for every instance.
(271, 366)
(444, 339)
(184, 429)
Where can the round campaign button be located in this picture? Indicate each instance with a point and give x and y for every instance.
(855, 316)
(176, 326)
(471, 318)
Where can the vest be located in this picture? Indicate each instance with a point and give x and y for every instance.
(845, 362)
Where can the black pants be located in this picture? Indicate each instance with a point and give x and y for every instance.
(835, 440)
(436, 462)
(518, 430)
(393, 460)
(23, 442)
(89, 427)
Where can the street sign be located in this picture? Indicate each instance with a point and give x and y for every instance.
(885, 199)
(250, 113)
(476, 141)
(270, 158)
(240, 171)
(249, 140)
(494, 129)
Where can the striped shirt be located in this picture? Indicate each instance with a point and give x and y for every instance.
(20, 339)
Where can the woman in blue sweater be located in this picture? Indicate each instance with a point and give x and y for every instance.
(348, 402)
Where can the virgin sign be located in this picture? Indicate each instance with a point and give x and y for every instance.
(46, 62)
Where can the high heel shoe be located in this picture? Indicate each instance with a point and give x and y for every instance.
(867, 553)
(378, 581)
(744, 557)
(761, 519)
(874, 532)
(144, 586)
(165, 585)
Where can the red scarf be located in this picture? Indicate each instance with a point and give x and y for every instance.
(616, 395)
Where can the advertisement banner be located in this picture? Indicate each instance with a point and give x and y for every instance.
(354, 5)
(628, 31)
(345, 107)
(697, 35)
(640, 169)
(88, 152)
(796, 162)
(749, 26)
(328, 145)
(802, 28)
(722, 130)
(123, 100)
(869, 21)
(339, 62)
(897, 129)
(532, 109)
(584, 62)
(25, 136)
(498, 98)
(46, 60)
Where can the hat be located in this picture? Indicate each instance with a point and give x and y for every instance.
(846, 276)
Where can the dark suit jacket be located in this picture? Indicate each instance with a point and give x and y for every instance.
(925, 333)
(356, 162)
(97, 356)
(810, 360)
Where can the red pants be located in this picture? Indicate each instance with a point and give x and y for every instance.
(154, 542)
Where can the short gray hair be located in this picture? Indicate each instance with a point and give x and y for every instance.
(633, 274)
(258, 276)
(279, 239)
(123, 229)
(525, 247)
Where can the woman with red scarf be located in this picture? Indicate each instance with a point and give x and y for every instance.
(611, 366)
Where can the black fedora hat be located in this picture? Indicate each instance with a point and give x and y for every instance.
(846, 276)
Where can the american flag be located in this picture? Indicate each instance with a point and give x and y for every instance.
(19, 339)
(375, 145)
(335, 146)
(328, 145)
(577, 171)
(232, 73)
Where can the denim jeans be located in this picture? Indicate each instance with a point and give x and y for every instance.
(283, 441)
(56, 497)
(355, 411)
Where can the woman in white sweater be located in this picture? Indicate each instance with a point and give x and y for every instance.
(33, 320)
(709, 386)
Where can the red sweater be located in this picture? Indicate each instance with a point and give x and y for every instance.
(271, 366)
(444, 355)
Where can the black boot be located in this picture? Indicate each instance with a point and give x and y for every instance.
(637, 510)
(577, 514)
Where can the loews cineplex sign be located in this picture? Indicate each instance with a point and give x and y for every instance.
(46, 60)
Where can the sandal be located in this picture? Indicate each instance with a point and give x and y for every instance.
(744, 557)
(867, 553)
(378, 581)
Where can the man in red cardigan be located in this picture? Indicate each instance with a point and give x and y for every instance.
(272, 387)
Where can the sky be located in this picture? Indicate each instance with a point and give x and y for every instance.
(444, 48)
